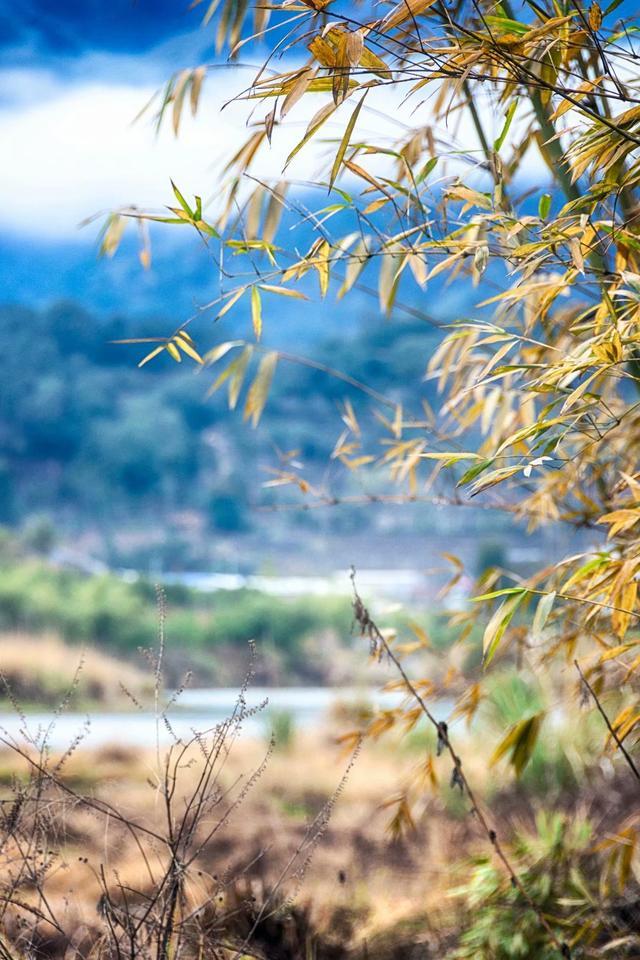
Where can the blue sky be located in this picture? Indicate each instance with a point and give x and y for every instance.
(42, 29)
(73, 76)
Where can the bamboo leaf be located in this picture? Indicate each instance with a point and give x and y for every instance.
(543, 609)
(233, 299)
(344, 143)
(256, 311)
(259, 390)
(318, 119)
(513, 106)
(405, 10)
(341, 71)
(150, 356)
(179, 91)
(236, 377)
(197, 80)
(520, 742)
(181, 200)
(498, 623)
(185, 343)
(173, 352)
(284, 291)
(216, 353)
(544, 206)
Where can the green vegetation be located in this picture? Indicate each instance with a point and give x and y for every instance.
(298, 639)
(281, 726)
(121, 617)
(556, 862)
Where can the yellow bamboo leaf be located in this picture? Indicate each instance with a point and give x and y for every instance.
(406, 10)
(197, 79)
(179, 91)
(316, 122)
(624, 602)
(256, 311)
(578, 94)
(595, 16)
(321, 263)
(151, 355)
(259, 389)
(284, 291)
(297, 90)
(344, 143)
(185, 343)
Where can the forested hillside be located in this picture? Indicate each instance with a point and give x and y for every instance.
(89, 440)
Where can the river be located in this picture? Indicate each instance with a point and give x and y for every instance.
(195, 710)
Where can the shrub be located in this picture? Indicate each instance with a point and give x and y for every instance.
(555, 871)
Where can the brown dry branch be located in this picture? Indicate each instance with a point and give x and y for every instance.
(370, 629)
(612, 731)
(164, 908)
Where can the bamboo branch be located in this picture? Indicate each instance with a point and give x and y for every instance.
(621, 747)
(370, 628)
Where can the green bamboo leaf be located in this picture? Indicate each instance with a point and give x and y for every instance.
(426, 170)
(505, 592)
(520, 742)
(507, 123)
(497, 625)
(543, 610)
(544, 206)
(181, 200)
(474, 472)
(344, 143)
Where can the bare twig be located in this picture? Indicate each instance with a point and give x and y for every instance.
(621, 747)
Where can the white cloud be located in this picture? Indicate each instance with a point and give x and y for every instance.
(78, 151)
(73, 149)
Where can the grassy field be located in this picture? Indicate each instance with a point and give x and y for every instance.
(361, 886)
(209, 632)
(310, 840)
(308, 847)
(41, 671)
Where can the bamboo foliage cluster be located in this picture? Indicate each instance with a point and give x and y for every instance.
(539, 408)
(517, 174)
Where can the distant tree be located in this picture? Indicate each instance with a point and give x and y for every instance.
(40, 535)
(478, 143)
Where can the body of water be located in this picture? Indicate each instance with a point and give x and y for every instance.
(195, 710)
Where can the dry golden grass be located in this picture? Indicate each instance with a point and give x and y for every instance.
(42, 669)
(360, 883)
(362, 890)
